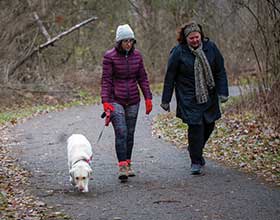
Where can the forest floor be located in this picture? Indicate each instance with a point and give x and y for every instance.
(241, 141)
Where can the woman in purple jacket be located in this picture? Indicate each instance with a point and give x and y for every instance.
(123, 71)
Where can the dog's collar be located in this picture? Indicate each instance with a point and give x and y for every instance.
(83, 159)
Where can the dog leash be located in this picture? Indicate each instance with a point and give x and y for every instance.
(107, 121)
(100, 135)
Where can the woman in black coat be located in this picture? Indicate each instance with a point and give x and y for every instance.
(196, 70)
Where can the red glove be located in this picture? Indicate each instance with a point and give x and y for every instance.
(108, 107)
(149, 106)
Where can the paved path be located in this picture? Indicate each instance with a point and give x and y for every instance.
(163, 188)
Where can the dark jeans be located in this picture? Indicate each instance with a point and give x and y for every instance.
(124, 121)
(197, 137)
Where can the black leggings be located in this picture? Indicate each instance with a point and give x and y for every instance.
(197, 137)
(124, 121)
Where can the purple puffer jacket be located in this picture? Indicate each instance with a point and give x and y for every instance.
(121, 74)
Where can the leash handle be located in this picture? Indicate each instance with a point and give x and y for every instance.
(103, 115)
(106, 115)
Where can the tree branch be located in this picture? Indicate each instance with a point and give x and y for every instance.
(45, 45)
(41, 26)
(40, 23)
(273, 4)
(51, 41)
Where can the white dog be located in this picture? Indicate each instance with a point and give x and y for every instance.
(79, 152)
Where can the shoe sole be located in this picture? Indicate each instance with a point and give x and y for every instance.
(196, 172)
(123, 178)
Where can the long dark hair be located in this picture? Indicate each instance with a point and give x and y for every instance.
(180, 32)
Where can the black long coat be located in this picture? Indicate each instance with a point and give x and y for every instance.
(180, 75)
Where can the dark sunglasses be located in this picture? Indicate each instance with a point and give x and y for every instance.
(128, 40)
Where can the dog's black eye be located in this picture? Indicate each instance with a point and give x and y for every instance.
(77, 178)
(84, 178)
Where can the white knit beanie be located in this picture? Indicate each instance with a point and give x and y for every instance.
(124, 32)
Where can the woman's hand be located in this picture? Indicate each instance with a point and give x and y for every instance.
(108, 107)
(149, 106)
(165, 106)
(223, 98)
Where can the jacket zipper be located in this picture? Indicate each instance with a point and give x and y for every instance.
(127, 90)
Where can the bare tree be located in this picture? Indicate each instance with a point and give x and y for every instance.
(264, 39)
(156, 23)
(50, 41)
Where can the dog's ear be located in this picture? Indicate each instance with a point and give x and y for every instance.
(89, 171)
(71, 174)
